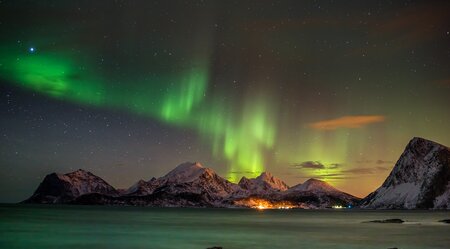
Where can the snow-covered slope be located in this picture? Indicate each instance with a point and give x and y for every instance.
(265, 184)
(185, 172)
(419, 179)
(314, 185)
(63, 188)
(142, 187)
(189, 184)
(195, 179)
(318, 194)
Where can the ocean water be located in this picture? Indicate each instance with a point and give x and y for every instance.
(36, 226)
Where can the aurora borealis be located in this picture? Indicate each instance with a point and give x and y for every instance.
(324, 89)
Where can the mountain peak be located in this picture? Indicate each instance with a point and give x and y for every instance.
(189, 184)
(416, 161)
(421, 146)
(313, 184)
(315, 181)
(419, 179)
(421, 139)
(62, 188)
(273, 181)
(186, 172)
(265, 175)
(244, 178)
(187, 166)
(79, 172)
(263, 183)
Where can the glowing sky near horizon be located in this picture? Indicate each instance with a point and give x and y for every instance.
(321, 90)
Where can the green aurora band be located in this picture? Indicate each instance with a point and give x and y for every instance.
(247, 82)
(177, 100)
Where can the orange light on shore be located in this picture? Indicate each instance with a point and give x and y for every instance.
(260, 207)
(261, 204)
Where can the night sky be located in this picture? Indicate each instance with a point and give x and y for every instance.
(130, 89)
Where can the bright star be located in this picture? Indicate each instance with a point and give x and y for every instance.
(31, 50)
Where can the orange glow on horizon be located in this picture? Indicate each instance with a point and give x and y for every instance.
(261, 204)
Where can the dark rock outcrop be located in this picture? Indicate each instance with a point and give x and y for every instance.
(395, 221)
(419, 180)
(59, 188)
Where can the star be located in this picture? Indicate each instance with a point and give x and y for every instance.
(31, 49)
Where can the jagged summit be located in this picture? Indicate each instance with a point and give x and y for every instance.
(188, 184)
(195, 179)
(274, 182)
(419, 179)
(264, 184)
(265, 176)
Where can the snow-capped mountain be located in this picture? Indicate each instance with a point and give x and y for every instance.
(318, 194)
(64, 188)
(189, 184)
(263, 185)
(311, 194)
(185, 172)
(313, 185)
(420, 179)
(194, 178)
(142, 187)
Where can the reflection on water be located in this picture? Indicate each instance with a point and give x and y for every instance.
(29, 226)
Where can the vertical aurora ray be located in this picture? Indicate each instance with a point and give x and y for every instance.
(180, 99)
(241, 140)
(240, 137)
(244, 134)
(259, 88)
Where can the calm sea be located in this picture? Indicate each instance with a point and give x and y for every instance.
(31, 226)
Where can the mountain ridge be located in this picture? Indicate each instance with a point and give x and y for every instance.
(188, 184)
(420, 179)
